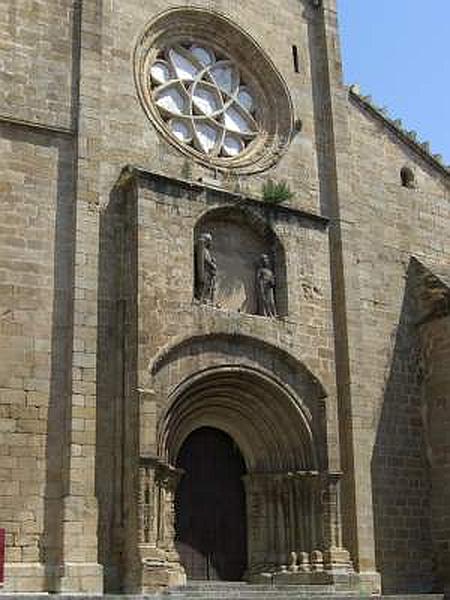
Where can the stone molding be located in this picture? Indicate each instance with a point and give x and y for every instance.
(132, 173)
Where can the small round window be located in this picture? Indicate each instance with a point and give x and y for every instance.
(201, 90)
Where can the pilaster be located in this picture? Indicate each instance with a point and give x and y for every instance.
(333, 141)
(80, 571)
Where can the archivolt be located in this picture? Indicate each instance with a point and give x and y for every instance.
(235, 346)
(269, 425)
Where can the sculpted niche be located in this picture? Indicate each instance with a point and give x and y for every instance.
(239, 264)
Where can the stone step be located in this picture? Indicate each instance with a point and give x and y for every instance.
(243, 591)
(273, 594)
(239, 591)
(244, 595)
(216, 590)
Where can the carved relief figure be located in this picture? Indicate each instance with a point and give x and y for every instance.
(205, 270)
(265, 288)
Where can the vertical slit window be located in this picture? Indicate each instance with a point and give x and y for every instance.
(295, 58)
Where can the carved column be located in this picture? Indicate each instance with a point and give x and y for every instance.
(271, 550)
(160, 561)
(336, 557)
(147, 529)
(280, 524)
(167, 479)
(283, 518)
(258, 537)
(305, 486)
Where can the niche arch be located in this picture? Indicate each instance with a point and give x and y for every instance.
(407, 177)
(240, 236)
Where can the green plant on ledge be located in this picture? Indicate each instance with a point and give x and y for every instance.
(275, 192)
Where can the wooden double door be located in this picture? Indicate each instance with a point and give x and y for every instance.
(210, 524)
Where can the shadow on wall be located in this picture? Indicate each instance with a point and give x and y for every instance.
(400, 471)
(116, 444)
(109, 434)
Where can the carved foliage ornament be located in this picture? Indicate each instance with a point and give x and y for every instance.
(211, 91)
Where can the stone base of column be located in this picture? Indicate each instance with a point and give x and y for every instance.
(289, 578)
(368, 583)
(68, 578)
(160, 570)
(332, 571)
(337, 560)
(76, 578)
(326, 581)
(25, 577)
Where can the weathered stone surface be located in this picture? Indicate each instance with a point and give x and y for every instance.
(339, 404)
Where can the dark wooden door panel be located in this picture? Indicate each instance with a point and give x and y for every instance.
(210, 507)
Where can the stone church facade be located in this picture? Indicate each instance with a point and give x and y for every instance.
(199, 380)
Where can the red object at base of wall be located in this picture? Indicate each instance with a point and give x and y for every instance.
(2, 556)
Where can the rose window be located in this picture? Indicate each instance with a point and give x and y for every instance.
(203, 100)
(211, 92)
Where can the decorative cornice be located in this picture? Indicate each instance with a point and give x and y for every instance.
(41, 127)
(131, 173)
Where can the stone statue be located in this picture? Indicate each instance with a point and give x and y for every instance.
(205, 270)
(265, 288)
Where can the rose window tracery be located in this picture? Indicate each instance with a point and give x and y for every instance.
(211, 92)
(203, 100)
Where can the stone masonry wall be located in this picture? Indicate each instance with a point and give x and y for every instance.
(36, 57)
(384, 225)
(68, 92)
(36, 238)
(129, 138)
(167, 315)
(68, 69)
(436, 417)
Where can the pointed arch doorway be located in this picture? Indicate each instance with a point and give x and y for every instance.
(210, 510)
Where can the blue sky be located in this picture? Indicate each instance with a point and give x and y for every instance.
(398, 51)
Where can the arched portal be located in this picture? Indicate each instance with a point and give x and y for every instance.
(210, 513)
(274, 431)
(271, 425)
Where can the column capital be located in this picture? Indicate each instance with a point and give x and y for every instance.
(166, 475)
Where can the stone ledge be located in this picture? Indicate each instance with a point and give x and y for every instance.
(278, 211)
(46, 128)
